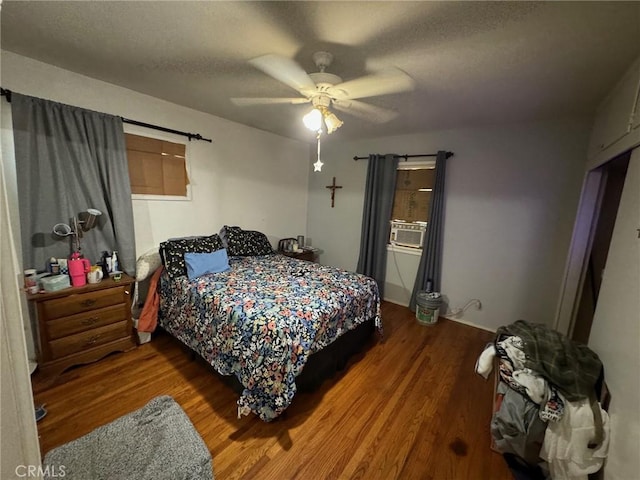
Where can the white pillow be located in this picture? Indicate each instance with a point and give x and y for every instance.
(147, 263)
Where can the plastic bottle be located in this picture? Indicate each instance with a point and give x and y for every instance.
(115, 264)
(105, 264)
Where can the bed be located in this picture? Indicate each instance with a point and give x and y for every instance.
(266, 318)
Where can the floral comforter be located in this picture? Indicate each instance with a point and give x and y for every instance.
(263, 318)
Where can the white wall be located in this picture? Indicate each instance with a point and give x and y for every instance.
(401, 274)
(512, 193)
(246, 177)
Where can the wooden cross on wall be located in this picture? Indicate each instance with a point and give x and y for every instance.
(333, 187)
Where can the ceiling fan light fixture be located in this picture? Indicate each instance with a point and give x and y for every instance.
(326, 90)
(313, 120)
(332, 122)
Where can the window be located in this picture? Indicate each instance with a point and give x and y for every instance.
(410, 213)
(414, 186)
(156, 167)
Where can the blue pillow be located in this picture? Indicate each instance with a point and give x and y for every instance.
(200, 263)
(172, 251)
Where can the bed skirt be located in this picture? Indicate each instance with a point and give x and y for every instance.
(320, 366)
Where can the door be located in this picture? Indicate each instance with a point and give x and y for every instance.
(615, 333)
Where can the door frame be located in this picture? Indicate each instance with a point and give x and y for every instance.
(584, 230)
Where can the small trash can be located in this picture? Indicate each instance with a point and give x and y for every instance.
(428, 307)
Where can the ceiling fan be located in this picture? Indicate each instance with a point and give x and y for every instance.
(326, 90)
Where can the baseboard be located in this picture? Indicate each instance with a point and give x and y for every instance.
(481, 327)
(470, 324)
(396, 302)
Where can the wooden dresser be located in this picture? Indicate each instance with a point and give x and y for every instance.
(80, 325)
(307, 255)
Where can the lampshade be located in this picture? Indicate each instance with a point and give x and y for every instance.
(84, 224)
(62, 229)
(313, 120)
(89, 220)
(332, 122)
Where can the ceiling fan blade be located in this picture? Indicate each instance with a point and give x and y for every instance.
(286, 70)
(383, 83)
(365, 110)
(249, 101)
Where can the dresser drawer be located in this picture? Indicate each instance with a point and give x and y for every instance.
(87, 340)
(83, 302)
(61, 327)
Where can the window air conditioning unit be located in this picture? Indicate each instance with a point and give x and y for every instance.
(407, 234)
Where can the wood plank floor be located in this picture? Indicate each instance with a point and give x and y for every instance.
(409, 407)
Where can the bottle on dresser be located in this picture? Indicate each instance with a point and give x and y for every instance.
(115, 263)
(106, 264)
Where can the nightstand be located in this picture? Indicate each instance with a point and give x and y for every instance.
(308, 255)
(79, 325)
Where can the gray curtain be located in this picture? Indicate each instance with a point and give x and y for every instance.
(378, 202)
(67, 160)
(430, 266)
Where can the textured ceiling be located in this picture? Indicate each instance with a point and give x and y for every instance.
(473, 62)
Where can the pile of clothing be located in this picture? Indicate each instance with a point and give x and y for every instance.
(547, 420)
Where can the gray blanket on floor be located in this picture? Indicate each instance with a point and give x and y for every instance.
(156, 442)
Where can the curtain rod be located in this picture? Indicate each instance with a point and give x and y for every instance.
(191, 136)
(405, 156)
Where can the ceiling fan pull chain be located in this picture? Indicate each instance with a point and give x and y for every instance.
(317, 167)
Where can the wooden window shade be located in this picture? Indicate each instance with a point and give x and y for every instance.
(156, 167)
(409, 203)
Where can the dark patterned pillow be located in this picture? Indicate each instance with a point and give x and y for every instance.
(224, 234)
(246, 243)
(172, 251)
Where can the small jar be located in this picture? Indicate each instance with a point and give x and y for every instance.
(54, 267)
(31, 280)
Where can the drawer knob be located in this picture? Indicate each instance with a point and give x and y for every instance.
(90, 321)
(93, 340)
(88, 302)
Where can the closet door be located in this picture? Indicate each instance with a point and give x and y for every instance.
(615, 334)
(613, 118)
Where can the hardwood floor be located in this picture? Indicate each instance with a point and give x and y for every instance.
(409, 407)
